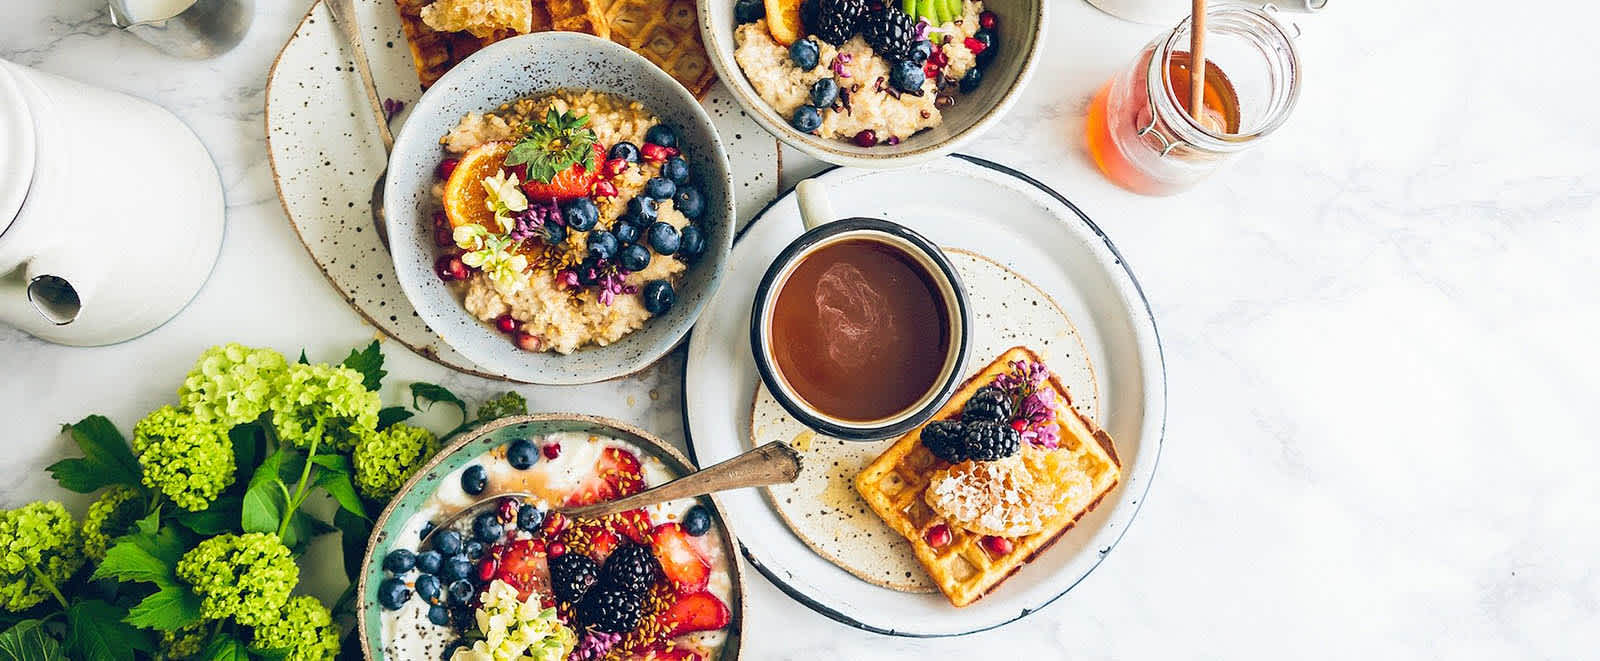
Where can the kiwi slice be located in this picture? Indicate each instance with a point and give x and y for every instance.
(909, 7)
(957, 8)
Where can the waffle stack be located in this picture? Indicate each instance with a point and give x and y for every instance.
(964, 569)
(663, 31)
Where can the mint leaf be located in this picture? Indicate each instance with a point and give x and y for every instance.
(339, 486)
(262, 507)
(28, 641)
(95, 630)
(387, 417)
(369, 362)
(353, 534)
(107, 459)
(225, 648)
(433, 394)
(168, 609)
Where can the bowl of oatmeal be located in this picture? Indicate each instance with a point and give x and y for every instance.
(558, 209)
(870, 84)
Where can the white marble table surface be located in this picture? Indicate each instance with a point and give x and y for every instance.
(1380, 334)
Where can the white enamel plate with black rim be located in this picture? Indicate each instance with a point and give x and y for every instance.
(967, 203)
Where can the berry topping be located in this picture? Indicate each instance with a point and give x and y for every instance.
(400, 561)
(393, 593)
(656, 153)
(833, 21)
(626, 230)
(428, 588)
(824, 92)
(616, 473)
(989, 403)
(634, 257)
(603, 189)
(613, 167)
(554, 523)
(522, 567)
(681, 562)
(664, 238)
(663, 135)
(991, 441)
(987, 45)
(580, 214)
(571, 575)
(866, 138)
(996, 545)
(450, 268)
(660, 188)
(921, 50)
(971, 80)
(439, 615)
(506, 511)
(552, 450)
(487, 568)
(625, 151)
(456, 567)
(946, 439)
(987, 20)
(443, 237)
(602, 245)
(447, 542)
(522, 454)
(473, 549)
(486, 527)
(428, 562)
(658, 296)
(530, 518)
(693, 243)
(446, 167)
(642, 210)
(907, 76)
(475, 479)
(890, 32)
(459, 593)
(697, 521)
(804, 54)
(676, 169)
(630, 567)
(610, 610)
(506, 323)
(938, 536)
(749, 11)
(689, 202)
(528, 341)
(556, 549)
(806, 119)
(701, 611)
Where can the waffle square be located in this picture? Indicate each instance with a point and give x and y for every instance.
(964, 570)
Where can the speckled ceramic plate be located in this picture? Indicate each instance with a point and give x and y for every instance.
(823, 509)
(325, 155)
(470, 446)
(990, 210)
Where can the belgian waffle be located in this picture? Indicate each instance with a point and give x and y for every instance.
(663, 31)
(964, 570)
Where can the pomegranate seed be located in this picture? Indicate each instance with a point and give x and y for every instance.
(439, 219)
(446, 167)
(604, 189)
(486, 569)
(1019, 424)
(551, 450)
(505, 323)
(987, 20)
(450, 268)
(974, 45)
(938, 58)
(528, 341)
(930, 69)
(443, 237)
(938, 536)
(997, 545)
(497, 549)
(866, 138)
(557, 550)
(614, 167)
(537, 546)
(507, 511)
(554, 524)
(656, 153)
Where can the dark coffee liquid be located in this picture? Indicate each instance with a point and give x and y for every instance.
(859, 330)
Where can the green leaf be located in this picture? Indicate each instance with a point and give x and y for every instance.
(168, 609)
(225, 648)
(151, 523)
(262, 507)
(107, 459)
(28, 641)
(249, 445)
(334, 462)
(353, 534)
(96, 630)
(272, 654)
(222, 516)
(303, 360)
(339, 486)
(369, 362)
(387, 417)
(433, 394)
(129, 560)
(303, 527)
(555, 145)
(167, 545)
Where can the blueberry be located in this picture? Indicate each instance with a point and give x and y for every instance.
(447, 542)
(804, 54)
(393, 593)
(602, 244)
(400, 561)
(661, 134)
(457, 644)
(580, 214)
(971, 80)
(824, 92)
(428, 588)
(634, 257)
(427, 527)
(624, 150)
(588, 272)
(428, 562)
(676, 169)
(463, 618)
(689, 202)
(522, 454)
(697, 521)
(486, 528)
(626, 230)
(806, 119)
(991, 46)
(439, 615)
(529, 518)
(664, 238)
(475, 479)
(921, 50)
(660, 188)
(473, 549)
(749, 11)
(906, 76)
(693, 243)
(455, 568)
(555, 234)
(642, 209)
(658, 296)
(459, 593)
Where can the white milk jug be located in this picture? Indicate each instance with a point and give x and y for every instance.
(110, 211)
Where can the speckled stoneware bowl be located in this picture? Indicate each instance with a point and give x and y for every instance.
(525, 66)
(473, 444)
(1021, 36)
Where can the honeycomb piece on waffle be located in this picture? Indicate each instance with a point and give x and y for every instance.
(480, 18)
(993, 497)
(667, 33)
(1082, 470)
(434, 52)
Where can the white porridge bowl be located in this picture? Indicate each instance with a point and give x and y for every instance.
(1020, 35)
(533, 65)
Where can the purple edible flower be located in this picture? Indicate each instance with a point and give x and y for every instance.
(838, 65)
(531, 222)
(392, 107)
(612, 284)
(921, 31)
(1035, 404)
(594, 645)
(568, 278)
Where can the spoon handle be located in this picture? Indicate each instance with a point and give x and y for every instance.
(773, 463)
(344, 13)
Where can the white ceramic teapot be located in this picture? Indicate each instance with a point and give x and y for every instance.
(111, 211)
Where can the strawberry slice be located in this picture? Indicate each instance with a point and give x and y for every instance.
(681, 562)
(674, 654)
(616, 473)
(523, 567)
(569, 184)
(601, 545)
(701, 611)
(633, 524)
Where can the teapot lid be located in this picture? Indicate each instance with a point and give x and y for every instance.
(16, 146)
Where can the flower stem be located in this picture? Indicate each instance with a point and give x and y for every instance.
(49, 585)
(300, 489)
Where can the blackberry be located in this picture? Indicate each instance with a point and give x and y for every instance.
(571, 575)
(890, 32)
(833, 21)
(989, 403)
(610, 610)
(992, 441)
(946, 439)
(632, 568)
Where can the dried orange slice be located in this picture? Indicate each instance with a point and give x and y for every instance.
(783, 20)
(465, 201)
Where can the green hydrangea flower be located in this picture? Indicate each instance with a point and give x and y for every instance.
(110, 516)
(184, 643)
(323, 401)
(246, 577)
(187, 460)
(39, 550)
(506, 404)
(385, 460)
(232, 383)
(305, 631)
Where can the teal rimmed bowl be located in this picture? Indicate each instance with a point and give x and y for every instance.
(469, 446)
